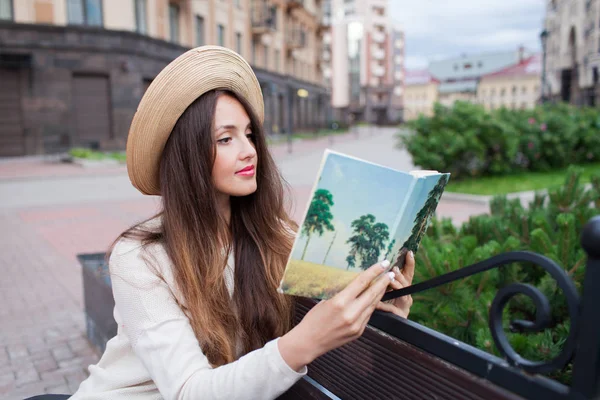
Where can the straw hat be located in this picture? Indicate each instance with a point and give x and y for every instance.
(186, 78)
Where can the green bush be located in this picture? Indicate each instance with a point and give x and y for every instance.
(88, 154)
(550, 226)
(469, 141)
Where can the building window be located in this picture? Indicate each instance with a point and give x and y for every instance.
(524, 90)
(84, 12)
(141, 25)
(238, 42)
(277, 55)
(502, 92)
(514, 90)
(174, 22)
(238, 3)
(6, 10)
(220, 35)
(199, 30)
(272, 21)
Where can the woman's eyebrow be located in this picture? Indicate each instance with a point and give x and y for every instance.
(232, 126)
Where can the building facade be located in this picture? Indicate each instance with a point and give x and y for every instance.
(420, 94)
(515, 87)
(73, 71)
(459, 77)
(368, 60)
(572, 51)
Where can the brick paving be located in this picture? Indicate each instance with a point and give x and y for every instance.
(43, 346)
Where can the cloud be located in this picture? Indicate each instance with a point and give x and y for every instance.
(448, 29)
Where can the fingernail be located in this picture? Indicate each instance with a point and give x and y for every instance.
(391, 275)
(411, 254)
(397, 270)
(384, 264)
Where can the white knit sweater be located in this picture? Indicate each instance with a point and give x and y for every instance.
(155, 353)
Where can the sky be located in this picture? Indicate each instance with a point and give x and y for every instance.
(437, 29)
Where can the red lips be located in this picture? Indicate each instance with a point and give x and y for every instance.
(249, 170)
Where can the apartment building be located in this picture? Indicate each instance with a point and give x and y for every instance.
(368, 60)
(572, 51)
(73, 71)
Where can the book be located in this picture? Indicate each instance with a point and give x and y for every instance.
(359, 213)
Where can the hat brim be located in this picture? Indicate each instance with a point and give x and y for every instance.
(178, 85)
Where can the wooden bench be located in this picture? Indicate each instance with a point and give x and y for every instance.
(400, 359)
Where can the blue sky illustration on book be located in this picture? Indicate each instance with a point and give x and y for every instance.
(357, 189)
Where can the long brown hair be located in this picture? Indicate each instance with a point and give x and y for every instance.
(197, 239)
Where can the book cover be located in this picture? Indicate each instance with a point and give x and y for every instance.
(359, 213)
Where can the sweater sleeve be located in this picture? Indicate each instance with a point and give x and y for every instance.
(163, 339)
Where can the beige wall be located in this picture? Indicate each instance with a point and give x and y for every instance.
(448, 99)
(119, 15)
(40, 11)
(510, 92)
(419, 99)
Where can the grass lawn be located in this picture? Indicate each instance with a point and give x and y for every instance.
(315, 280)
(518, 183)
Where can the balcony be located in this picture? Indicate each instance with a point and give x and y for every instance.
(295, 38)
(263, 17)
(378, 37)
(377, 70)
(380, 20)
(378, 53)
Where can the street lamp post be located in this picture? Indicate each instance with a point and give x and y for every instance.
(544, 39)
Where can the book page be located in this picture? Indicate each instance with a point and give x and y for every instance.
(347, 225)
(416, 218)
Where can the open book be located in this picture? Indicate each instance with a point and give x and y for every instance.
(359, 213)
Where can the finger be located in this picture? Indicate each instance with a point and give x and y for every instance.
(395, 285)
(401, 278)
(370, 297)
(386, 307)
(409, 267)
(363, 280)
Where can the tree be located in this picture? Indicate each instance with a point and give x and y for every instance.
(367, 242)
(389, 248)
(319, 216)
(329, 249)
(422, 218)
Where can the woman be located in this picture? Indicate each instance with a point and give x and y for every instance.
(195, 287)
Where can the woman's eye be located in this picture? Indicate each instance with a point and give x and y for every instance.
(224, 140)
(250, 135)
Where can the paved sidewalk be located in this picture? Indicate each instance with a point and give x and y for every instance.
(49, 214)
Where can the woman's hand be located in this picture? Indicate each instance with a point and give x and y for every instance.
(337, 321)
(401, 305)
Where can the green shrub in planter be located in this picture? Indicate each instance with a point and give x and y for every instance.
(549, 226)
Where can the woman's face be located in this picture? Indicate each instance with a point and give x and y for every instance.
(234, 170)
